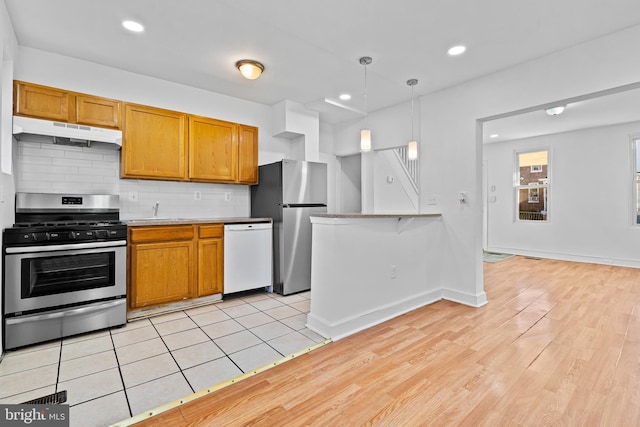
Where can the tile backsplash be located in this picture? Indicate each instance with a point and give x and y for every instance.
(43, 167)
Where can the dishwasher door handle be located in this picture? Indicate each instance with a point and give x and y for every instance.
(247, 227)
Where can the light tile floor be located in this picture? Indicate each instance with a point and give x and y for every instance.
(114, 374)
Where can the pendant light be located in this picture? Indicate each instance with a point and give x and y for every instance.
(412, 146)
(365, 134)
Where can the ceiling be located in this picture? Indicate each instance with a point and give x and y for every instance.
(609, 109)
(311, 48)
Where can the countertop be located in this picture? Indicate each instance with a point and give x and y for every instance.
(183, 221)
(386, 215)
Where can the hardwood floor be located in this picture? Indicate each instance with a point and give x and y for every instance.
(558, 344)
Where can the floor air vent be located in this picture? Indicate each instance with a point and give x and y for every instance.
(51, 399)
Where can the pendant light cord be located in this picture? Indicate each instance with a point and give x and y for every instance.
(412, 83)
(365, 60)
(366, 109)
(412, 113)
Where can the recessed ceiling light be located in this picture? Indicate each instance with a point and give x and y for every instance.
(457, 50)
(345, 96)
(554, 111)
(134, 26)
(494, 135)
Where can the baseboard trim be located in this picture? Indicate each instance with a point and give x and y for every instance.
(618, 262)
(463, 298)
(349, 326)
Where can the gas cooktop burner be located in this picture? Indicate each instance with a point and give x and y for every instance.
(48, 219)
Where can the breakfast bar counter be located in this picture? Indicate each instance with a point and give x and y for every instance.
(368, 268)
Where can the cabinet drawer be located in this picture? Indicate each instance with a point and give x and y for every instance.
(213, 230)
(160, 234)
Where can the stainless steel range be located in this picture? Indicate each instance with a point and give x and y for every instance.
(64, 267)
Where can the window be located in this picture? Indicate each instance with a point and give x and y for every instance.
(532, 185)
(635, 150)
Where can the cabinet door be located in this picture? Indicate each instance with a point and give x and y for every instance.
(247, 154)
(154, 143)
(43, 102)
(213, 150)
(210, 266)
(95, 111)
(161, 273)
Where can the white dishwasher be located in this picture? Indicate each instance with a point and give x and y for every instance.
(248, 254)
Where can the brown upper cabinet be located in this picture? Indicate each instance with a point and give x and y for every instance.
(247, 154)
(163, 144)
(95, 111)
(157, 144)
(213, 150)
(43, 102)
(154, 143)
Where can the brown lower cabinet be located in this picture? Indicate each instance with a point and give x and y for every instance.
(174, 262)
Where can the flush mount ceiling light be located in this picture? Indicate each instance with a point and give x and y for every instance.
(457, 50)
(554, 111)
(365, 134)
(249, 68)
(345, 96)
(133, 26)
(412, 146)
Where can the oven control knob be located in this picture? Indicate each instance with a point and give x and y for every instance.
(73, 235)
(39, 236)
(103, 234)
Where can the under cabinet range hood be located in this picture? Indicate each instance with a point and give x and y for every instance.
(66, 133)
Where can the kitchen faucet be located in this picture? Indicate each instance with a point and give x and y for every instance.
(155, 209)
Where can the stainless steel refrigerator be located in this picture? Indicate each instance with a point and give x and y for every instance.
(289, 192)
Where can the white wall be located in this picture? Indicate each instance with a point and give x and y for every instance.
(8, 47)
(391, 185)
(589, 201)
(349, 193)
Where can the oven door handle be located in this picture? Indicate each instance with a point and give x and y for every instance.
(72, 246)
(65, 313)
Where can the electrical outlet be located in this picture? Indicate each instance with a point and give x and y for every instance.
(197, 195)
(133, 196)
(432, 199)
(227, 196)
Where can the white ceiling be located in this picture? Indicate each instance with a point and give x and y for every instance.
(311, 48)
(614, 108)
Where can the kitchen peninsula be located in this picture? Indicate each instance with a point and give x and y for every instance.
(368, 268)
